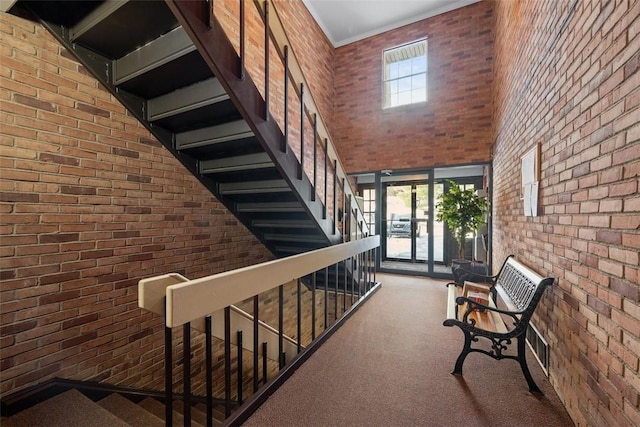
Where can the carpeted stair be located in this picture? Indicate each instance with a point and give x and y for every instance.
(74, 409)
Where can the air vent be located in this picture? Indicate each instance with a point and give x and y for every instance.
(539, 346)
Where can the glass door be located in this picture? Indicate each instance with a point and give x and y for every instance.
(405, 222)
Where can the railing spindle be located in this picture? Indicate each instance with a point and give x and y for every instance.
(335, 195)
(255, 342)
(326, 297)
(266, 60)
(242, 40)
(299, 330)
(285, 142)
(239, 373)
(168, 376)
(280, 325)
(186, 375)
(313, 306)
(315, 156)
(326, 165)
(208, 328)
(264, 362)
(301, 170)
(227, 361)
(335, 294)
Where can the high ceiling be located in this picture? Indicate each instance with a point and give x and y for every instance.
(346, 21)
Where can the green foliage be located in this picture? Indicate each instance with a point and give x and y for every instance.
(463, 212)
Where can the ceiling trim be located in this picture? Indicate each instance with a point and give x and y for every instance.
(338, 43)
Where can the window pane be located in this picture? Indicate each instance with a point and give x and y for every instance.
(393, 70)
(404, 84)
(405, 74)
(419, 81)
(404, 98)
(404, 68)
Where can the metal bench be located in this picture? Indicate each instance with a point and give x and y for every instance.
(514, 294)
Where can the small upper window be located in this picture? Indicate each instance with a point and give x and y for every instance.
(405, 74)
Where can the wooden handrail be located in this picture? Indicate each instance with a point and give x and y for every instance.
(194, 299)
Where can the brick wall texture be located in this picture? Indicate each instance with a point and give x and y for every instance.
(90, 204)
(452, 127)
(567, 77)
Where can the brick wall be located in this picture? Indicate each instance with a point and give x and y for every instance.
(90, 204)
(575, 90)
(453, 127)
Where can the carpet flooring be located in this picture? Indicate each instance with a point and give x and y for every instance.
(390, 365)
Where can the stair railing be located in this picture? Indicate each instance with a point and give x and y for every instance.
(274, 68)
(309, 113)
(207, 305)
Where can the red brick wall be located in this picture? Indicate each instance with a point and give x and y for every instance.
(579, 97)
(453, 127)
(90, 204)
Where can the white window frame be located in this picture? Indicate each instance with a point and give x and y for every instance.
(414, 81)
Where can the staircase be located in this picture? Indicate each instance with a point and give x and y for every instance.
(173, 67)
(73, 408)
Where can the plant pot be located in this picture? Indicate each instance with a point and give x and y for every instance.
(471, 271)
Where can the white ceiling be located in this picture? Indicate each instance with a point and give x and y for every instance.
(347, 21)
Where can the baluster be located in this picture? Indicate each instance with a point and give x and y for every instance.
(326, 298)
(315, 155)
(266, 60)
(285, 142)
(255, 342)
(335, 194)
(186, 375)
(301, 131)
(280, 325)
(168, 376)
(264, 362)
(208, 327)
(313, 306)
(239, 374)
(326, 161)
(242, 40)
(335, 294)
(227, 361)
(299, 330)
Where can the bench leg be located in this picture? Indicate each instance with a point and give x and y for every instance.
(522, 358)
(457, 370)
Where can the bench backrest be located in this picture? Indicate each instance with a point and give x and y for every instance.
(520, 288)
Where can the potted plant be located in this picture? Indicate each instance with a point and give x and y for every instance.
(463, 211)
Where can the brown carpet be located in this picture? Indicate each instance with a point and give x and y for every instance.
(390, 365)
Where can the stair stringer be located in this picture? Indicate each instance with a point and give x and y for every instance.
(218, 52)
